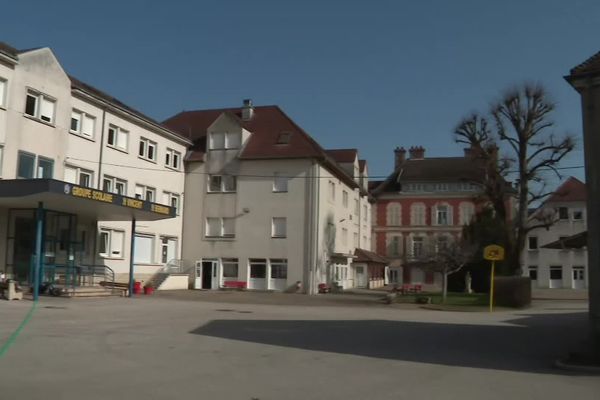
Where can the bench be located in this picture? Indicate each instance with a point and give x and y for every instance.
(234, 285)
(408, 288)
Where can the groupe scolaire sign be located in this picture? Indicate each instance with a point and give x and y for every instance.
(116, 199)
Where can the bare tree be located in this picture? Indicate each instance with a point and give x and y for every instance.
(523, 131)
(446, 261)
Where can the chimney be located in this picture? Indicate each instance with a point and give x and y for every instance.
(399, 156)
(247, 110)
(416, 153)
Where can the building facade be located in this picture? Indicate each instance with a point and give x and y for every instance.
(421, 207)
(559, 268)
(266, 207)
(55, 127)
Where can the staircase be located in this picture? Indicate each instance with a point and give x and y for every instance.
(157, 279)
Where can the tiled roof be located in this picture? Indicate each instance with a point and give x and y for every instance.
(589, 66)
(361, 165)
(367, 256)
(343, 155)
(266, 125)
(9, 51)
(374, 184)
(84, 87)
(435, 169)
(571, 190)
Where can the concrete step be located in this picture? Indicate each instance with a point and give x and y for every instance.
(95, 291)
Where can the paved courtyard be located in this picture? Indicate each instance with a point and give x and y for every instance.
(231, 345)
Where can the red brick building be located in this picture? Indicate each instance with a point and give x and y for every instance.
(422, 206)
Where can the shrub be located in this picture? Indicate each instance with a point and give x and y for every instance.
(512, 291)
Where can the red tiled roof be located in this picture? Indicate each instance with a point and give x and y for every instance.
(589, 66)
(367, 256)
(571, 190)
(266, 125)
(343, 155)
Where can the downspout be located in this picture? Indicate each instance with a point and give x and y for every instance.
(314, 229)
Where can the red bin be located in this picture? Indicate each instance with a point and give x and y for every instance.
(148, 290)
(137, 287)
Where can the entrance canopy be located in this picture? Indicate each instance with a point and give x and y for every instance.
(577, 241)
(87, 202)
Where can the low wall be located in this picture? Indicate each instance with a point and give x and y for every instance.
(175, 282)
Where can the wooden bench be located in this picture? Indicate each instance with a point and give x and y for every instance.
(235, 285)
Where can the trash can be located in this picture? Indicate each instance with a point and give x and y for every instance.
(137, 287)
(148, 290)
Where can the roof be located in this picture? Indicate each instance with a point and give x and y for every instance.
(343, 156)
(361, 165)
(266, 125)
(434, 169)
(89, 89)
(588, 67)
(8, 51)
(374, 184)
(362, 255)
(571, 190)
(576, 241)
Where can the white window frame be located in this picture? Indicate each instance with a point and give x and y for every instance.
(78, 173)
(222, 183)
(279, 268)
(145, 152)
(442, 210)
(145, 190)
(113, 185)
(345, 198)
(279, 227)
(331, 185)
(414, 241)
(417, 214)
(36, 164)
(230, 262)
(172, 200)
(119, 133)
(173, 159)
(230, 140)
(537, 243)
(226, 227)
(83, 116)
(110, 253)
(152, 249)
(3, 92)
(280, 183)
(40, 98)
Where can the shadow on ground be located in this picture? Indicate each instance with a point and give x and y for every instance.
(529, 344)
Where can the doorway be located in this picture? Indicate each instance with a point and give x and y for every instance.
(206, 275)
(578, 278)
(361, 276)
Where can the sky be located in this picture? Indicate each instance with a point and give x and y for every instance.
(371, 75)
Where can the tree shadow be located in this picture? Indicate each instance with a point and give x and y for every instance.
(529, 344)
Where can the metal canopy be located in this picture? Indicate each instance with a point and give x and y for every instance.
(576, 241)
(66, 197)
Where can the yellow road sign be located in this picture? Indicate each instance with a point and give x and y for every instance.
(493, 252)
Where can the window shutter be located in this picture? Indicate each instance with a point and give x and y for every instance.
(122, 139)
(87, 126)
(116, 244)
(71, 175)
(47, 110)
(143, 249)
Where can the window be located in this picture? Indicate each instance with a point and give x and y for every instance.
(3, 88)
(82, 124)
(78, 176)
(442, 215)
(111, 243)
(225, 140)
(441, 243)
(117, 138)
(355, 241)
(532, 243)
(555, 273)
(143, 192)
(230, 267)
(258, 268)
(331, 186)
(1, 158)
(172, 158)
(280, 183)
(284, 138)
(577, 215)
(365, 214)
(147, 149)
(356, 206)
(144, 249)
(114, 185)
(222, 184)
(533, 272)
(417, 246)
(27, 168)
(417, 214)
(220, 227)
(278, 268)
(344, 236)
(345, 198)
(40, 106)
(563, 213)
(393, 214)
(172, 200)
(578, 273)
(394, 246)
(467, 210)
(278, 227)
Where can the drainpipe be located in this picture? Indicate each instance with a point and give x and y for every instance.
(316, 208)
(99, 187)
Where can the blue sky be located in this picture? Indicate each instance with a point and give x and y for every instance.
(367, 74)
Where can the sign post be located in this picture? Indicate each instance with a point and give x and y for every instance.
(493, 253)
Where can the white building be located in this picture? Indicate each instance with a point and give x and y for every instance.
(268, 208)
(119, 164)
(559, 268)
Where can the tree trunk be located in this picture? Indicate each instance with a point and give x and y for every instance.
(444, 286)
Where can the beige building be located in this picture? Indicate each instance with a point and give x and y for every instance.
(58, 134)
(266, 207)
